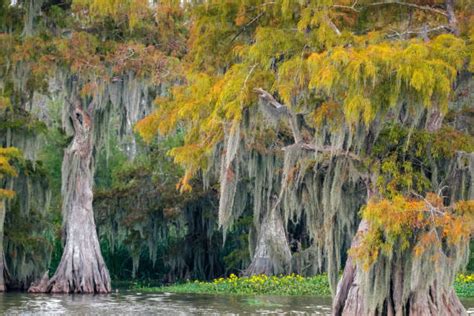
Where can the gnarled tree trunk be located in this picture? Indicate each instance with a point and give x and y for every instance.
(399, 286)
(352, 291)
(402, 284)
(272, 254)
(82, 268)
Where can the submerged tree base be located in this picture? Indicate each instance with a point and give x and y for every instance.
(400, 263)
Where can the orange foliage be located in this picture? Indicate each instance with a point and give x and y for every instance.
(329, 112)
(412, 224)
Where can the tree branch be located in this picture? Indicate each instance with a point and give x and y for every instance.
(281, 109)
(422, 31)
(346, 7)
(452, 20)
(326, 150)
(334, 27)
(411, 5)
(267, 97)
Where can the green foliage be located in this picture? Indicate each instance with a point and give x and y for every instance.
(254, 285)
(238, 244)
(31, 228)
(408, 157)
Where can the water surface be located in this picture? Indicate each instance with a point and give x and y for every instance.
(131, 302)
(136, 303)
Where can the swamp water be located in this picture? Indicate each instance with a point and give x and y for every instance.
(135, 303)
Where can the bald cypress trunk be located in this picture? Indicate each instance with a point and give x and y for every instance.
(348, 295)
(356, 295)
(272, 254)
(82, 268)
(2, 253)
(403, 283)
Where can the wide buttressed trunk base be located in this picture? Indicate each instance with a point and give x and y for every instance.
(396, 286)
(431, 301)
(272, 254)
(3, 271)
(82, 268)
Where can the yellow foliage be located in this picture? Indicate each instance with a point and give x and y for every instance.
(293, 77)
(359, 75)
(6, 194)
(6, 169)
(131, 10)
(4, 103)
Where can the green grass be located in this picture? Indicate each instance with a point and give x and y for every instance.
(279, 285)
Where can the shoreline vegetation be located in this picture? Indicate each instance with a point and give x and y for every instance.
(285, 285)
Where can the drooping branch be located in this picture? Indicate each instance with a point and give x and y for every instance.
(268, 98)
(422, 31)
(330, 150)
(280, 109)
(410, 5)
(448, 13)
(334, 27)
(352, 7)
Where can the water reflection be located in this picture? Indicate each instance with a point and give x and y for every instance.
(165, 304)
(129, 302)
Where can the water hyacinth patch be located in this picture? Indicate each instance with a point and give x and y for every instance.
(464, 285)
(292, 284)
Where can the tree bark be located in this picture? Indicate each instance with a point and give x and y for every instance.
(348, 292)
(82, 268)
(272, 255)
(421, 297)
(352, 296)
(452, 20)
(40, 285)
(2, 253)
